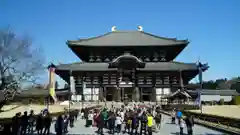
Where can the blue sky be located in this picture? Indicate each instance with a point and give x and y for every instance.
(212, 26)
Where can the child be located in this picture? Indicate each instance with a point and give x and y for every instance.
(181, 125)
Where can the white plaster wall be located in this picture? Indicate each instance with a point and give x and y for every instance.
(88, 97)
(166, 91)
(87, 91)
(76, 98)
(215, 98)
(159, 91)
(163, 91)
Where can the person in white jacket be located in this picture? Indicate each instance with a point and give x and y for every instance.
(118, 123)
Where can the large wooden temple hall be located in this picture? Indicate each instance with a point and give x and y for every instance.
(133, 64)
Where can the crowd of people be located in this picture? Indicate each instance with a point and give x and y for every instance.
(135, 120)
(22, 124)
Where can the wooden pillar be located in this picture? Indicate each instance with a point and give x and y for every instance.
(154, 94)
(118, 92)
(105, 93)
(137, 94)
(100, 94)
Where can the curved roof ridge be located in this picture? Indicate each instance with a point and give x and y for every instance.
(167, 38)
(86, 39)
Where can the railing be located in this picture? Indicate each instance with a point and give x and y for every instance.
(220, 123)
(220, 120)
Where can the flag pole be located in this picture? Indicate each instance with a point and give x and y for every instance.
(201, 84)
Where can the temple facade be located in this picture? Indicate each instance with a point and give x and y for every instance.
(136, 65)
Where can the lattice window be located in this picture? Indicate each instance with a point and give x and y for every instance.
(166, 79)
(158, 80)
(96, 80)
(174, 80)
(113, 79)
(105, 79)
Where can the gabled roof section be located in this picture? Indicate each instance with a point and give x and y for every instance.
(127, 38)
(149, 66)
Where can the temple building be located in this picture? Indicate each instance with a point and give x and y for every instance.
(136, 65)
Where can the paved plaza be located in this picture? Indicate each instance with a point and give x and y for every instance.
(167, 129)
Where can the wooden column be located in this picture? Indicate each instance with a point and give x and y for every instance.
(100, 94)
(154, 94)
(118, 92)
(137, 94)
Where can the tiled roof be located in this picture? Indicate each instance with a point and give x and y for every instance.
(128, 38)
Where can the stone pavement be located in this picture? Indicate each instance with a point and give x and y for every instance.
(167, 129)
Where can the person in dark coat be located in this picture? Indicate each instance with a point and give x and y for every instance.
(134, 124)
(71, 118)
(7, 129)
(59, 125)
(16, 124)
(65, 123)
(100, 122)
(39, 124)
(111, 122)
(47, 120)
(24, 123)
(143, 123)
(189, 123)
(31, 120)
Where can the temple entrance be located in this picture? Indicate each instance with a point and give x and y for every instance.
(128, 91)
(146, 94)
(146, 97)
(110, 93)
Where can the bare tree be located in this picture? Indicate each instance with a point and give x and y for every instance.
(20, 62)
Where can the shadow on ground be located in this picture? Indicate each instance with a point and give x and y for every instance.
(177, 133)
(65, 134)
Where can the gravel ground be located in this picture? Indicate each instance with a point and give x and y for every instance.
(224, 110)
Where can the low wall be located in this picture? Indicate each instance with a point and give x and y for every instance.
(219, 123)
(228, 121)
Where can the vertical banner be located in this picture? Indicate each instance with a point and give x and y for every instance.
(72, 85)
(52, 83)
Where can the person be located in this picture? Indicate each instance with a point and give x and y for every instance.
(181, 125)
(134, 123)
(7, 129)
(39, 124)
(158, 119)
(47, 120)
(173, 117)
(24, 123)
(100, 123)
(189, 123)
(143, 123)
(65, 123)
(31, 121)
(150, 123)
(118, 123)
(90, 119)
(59, 125)
(179, 115)
(71, 118)
(111, 122)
